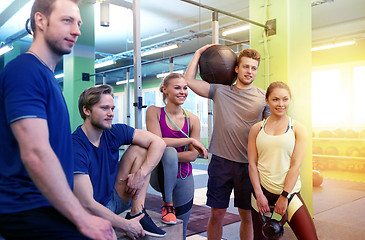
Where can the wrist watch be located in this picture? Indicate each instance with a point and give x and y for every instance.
(285, 194)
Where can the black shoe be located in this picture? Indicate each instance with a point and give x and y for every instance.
(148, 225)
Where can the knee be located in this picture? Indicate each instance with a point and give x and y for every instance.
(135, 154)
(246, 216)
(169, 157)
(217, 214)
(139, 151)
(170, 152)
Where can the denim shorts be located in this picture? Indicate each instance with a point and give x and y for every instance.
(116, 204)
(225, 175)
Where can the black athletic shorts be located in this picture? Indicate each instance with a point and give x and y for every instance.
(225, 175)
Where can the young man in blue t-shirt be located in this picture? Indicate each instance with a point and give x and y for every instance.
(36, 173)
(103, 184)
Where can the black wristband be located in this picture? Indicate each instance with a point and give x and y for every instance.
(285, 194)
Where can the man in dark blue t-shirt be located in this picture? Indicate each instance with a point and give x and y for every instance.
(103, 184)
(36, 173)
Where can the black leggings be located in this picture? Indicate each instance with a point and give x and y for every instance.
(301, 222)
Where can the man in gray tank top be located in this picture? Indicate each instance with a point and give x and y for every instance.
(236, 109)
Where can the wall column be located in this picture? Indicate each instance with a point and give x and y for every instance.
(286, 56)
(81, 60)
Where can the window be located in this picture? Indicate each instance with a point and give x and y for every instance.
(152, 96)
(326, 95)
(149, 98)
(119, 110)
(338, 95)
(116, 109)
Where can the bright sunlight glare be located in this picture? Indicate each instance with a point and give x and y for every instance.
(326, 92)
(359, 97)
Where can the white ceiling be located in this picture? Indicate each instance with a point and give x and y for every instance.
(164, 21)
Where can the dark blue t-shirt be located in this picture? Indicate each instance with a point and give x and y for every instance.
(28, 89)
(101, 163)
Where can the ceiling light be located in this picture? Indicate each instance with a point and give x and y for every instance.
(59, 76)
(161, 49)
(318, 2)
(5, 48)
(8, 44)
(104, 14)
(237, 29)
(333, 45)
(162, 75)
(104, 64)
(124, 81)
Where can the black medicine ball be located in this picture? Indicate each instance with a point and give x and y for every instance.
(217, 65)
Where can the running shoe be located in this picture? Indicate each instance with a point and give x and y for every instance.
(168, 215)
(148, 225)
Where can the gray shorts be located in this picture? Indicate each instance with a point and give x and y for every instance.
(116, 204)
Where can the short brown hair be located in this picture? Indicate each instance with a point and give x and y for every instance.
(250, 53)
(91, 96)
(45, 7)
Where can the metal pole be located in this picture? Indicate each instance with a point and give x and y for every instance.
(104, 78)
(171, 66)
(215, 39)
(143, 63)
(137, 64)
(128, 100)
(225, 13)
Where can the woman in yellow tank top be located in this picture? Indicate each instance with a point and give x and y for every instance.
(276, 149)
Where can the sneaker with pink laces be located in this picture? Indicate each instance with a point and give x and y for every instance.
(168, 215)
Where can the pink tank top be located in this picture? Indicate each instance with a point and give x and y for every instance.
(169, 133)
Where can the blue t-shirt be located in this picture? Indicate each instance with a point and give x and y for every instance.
(28, 89)
(101, 163)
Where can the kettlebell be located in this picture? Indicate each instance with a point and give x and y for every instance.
(273, 229)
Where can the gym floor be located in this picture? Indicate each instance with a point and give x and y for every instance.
(338, 206)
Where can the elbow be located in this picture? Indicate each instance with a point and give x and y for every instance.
(162, 144)
(158, 144)
(86, 202)
(188, 79)
(251, 166)
(295, 169)
(88, 205)
(29, 159)
(32, 158)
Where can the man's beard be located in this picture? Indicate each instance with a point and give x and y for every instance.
(100, 126)
(56, 49)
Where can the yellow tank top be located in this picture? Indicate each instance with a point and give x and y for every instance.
(274, 154)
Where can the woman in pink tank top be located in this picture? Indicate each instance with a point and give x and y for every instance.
(181, 132)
